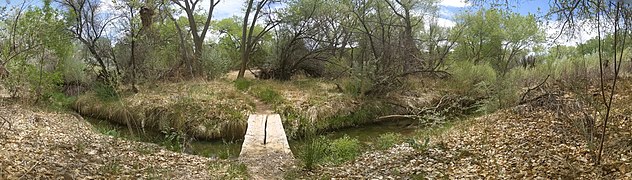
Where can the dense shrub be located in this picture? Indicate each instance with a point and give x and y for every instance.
(215, 63)
(343, 149)
(472, 79)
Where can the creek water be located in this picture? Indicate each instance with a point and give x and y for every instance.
(365, 134)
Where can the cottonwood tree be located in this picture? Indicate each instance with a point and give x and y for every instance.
(497, 37)
(405, 9)
(88, 22)
(11, 48)
(197, 33)
(249, 38)
(300, 41)
(387, 39)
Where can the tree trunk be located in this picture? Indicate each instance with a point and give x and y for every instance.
(244, 47)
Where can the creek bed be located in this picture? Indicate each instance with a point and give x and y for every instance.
(365, 134)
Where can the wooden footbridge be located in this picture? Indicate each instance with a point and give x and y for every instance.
(265, 148)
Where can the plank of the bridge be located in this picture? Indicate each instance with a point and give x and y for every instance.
(254, 134)
(273, 134)
(276, 138)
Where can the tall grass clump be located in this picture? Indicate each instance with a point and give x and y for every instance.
(105, 92)
(314, 152)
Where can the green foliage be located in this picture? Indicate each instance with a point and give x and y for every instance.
(224, 154)
(343, 149)
(105, 92)
(236, 171)
(59, 101)
(472, 79)
(230, 41)
(355, 86)
(387, 140)
(173, 141)
(72, 70)
(242, 84)
(267, 94)
(321, 150)
(314, 152)
(496, 37)
(367, 112)
(215, 63)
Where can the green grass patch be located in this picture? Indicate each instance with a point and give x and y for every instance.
(105, 92)
(242, 84)
(320, 150)
(343, 149)
(237, 171)
(387, 140)
(268, 95)
(58, 101)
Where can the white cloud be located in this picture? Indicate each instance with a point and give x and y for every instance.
(225, 8)
(580, 34)
(454, 3)
(443, 22)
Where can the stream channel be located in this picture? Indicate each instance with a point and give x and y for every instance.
(366, 134)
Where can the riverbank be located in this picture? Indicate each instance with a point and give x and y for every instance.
(218, 109)
(36, 144)
(554, 136)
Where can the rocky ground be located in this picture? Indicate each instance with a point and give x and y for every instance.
(549, 138)
(36, 144)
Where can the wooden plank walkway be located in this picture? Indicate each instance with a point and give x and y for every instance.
(265, 149)
(265, 134)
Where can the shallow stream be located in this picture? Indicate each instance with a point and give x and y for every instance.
(365, 134)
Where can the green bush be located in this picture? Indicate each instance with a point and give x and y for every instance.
(355, 86)
(365, 113)
(242, 84)
(105, 92)
(314, 152)
(387, 140)
(343, 149)
(59, 101)
(215, 63)
(469, 78)
(72, 70)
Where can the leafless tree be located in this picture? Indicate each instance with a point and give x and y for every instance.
(249, 38)
(613, 17)
(189, 7)
(88, 25)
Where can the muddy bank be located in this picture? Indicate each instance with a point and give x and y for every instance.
(204, 110)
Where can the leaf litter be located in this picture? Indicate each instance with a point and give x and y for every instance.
(51, 145)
